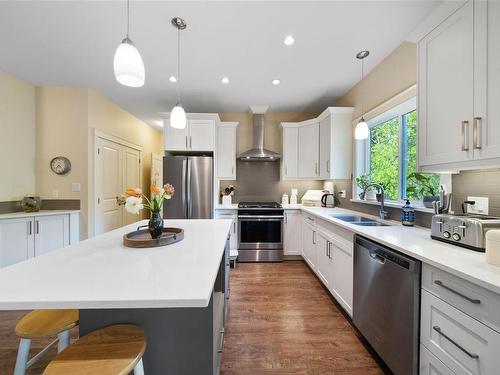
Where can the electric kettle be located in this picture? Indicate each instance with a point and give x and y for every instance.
(328, 200)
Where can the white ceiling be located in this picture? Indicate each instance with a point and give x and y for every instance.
(62, 43)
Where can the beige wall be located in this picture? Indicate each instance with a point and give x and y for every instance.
(65, 118)
(17, 139)
(395, 73)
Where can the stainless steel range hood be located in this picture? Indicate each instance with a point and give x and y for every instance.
(258, 152)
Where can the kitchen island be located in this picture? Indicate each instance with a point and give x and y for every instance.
(176, 293)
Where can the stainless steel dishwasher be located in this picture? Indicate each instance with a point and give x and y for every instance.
(386, 305)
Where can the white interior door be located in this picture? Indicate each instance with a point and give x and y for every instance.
(131, 178)
(157, 169)
(109, 185)
(51, 233)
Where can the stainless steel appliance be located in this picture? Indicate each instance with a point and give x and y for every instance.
(192, 178)
(260, 227)
(386, 303)
(328, 200)
(463, 229)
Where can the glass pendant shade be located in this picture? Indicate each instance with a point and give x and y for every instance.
(361, 131)
(178, 117)
(128, 65)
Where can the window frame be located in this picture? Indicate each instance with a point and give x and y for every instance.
(398, 111)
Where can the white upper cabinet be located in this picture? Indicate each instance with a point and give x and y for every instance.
(486, 122)
(290, 156)
(308, 156)
(320, 148)
(458, 90)
(226, 150)
(335, 143)
(198, 135)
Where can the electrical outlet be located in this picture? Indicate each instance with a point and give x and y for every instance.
(55, 194)
(75, 186)
(342, 194)
(480, 207)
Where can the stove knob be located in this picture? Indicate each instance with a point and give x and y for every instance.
(456, 237)
(446, 234)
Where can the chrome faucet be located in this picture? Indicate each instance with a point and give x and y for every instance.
(384, 215)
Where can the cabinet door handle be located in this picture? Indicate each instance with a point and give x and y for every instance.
(232, 170)
(329, 250)
(286, 170)
(442, 285)
(328, 166)
(30, 229)
(186, 141)
(465, 145)
(438, 330)
(477, 132)
(190, 142)
(314, 238)
(316, 168)
(37, 227)
(326, 252)
(234, 227)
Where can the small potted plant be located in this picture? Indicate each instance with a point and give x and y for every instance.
(133, 202)
(422, 187)
(362, 181)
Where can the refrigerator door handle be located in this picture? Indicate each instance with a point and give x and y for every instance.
(184, 172)
(188, 190)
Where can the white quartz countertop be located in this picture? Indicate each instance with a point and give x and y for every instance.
(102, 273)
(416, 242)
(233, 206)
(15, 215)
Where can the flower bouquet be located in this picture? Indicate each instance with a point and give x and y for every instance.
(134, 201)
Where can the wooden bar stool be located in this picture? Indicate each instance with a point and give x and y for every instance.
(114, 350)
(42, 323)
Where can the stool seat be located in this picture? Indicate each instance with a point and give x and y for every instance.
(42, 323)
(114, 350)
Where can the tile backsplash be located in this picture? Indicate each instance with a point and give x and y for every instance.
(260, 181)
(480, 183)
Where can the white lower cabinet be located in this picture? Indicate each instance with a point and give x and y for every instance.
(292, 232)
(30, 236)
(462, 343)
(230, 215)
(431, 365)
(328, 250)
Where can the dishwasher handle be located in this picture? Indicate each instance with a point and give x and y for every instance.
(380, 259)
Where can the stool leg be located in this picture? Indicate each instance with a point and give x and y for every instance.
(22, 356)
(63, 343)
(139, 368)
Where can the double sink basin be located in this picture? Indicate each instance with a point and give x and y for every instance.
(359, 220)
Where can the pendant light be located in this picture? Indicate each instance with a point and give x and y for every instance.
(178, 115)
(361, 131)
(128, 65)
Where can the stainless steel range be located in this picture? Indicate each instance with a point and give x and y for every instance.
(260, 227)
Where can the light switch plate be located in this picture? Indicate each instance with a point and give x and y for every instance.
(75, 186)
(55, 194)
(480, 207)
(342, 193)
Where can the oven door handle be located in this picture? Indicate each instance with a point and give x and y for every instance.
(271, 217)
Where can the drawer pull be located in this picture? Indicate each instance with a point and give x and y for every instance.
(438, 330)
(221, 346)
(472, 300)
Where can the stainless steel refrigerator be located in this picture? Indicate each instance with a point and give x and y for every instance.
(192, 178)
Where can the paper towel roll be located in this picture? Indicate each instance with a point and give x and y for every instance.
(493, 247)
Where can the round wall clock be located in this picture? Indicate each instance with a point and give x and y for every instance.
(60, 165)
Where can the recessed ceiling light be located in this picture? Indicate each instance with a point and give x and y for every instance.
(289, 40)
(225, 80)
(276, 81)
(172, 79)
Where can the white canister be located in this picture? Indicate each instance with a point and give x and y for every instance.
(493, 247)
(284, 199)
(293, 199)
(227, 200)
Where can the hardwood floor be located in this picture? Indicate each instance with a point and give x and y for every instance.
(280, 321)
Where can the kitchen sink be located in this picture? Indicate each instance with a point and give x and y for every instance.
(351, 218)
(371, 224)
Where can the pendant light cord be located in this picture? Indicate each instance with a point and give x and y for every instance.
(178, 65)
(362, 87)
(128, 18)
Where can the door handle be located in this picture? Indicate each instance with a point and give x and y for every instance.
(286, 170)
(221, 347)
(442, 285)
(377, 258)
(438, 330)
(316, 168)
(190, 142)
(465, 145)
(314, 238)
(186, 141)
(328, 166)
(30, 229)
(234, 227)
(37, 227)
(330, 250)
(477, 133)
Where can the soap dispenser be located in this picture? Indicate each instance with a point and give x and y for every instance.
(408, 214)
